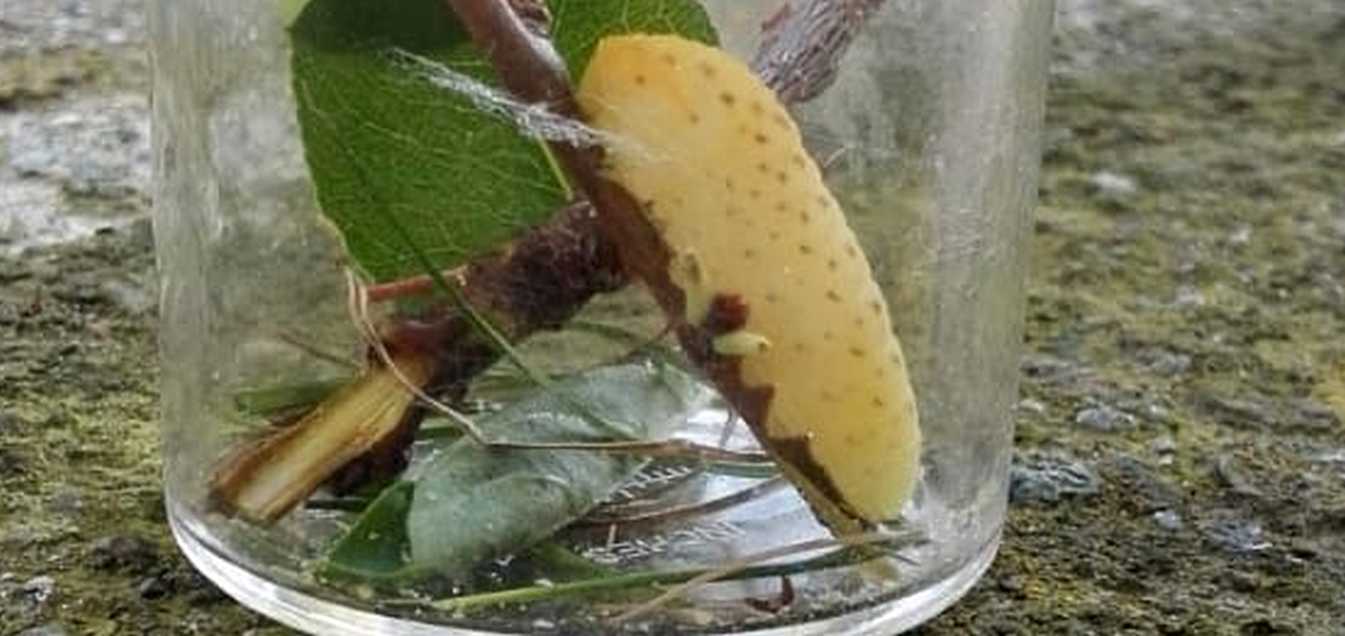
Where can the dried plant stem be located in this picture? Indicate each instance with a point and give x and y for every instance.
(677, 512)
(359, 311)
(262, 481)
(803, 44)
(684, 578)
(414, 286)
(744, 564)
(522, 289)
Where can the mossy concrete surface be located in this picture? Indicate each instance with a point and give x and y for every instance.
(1181, 437)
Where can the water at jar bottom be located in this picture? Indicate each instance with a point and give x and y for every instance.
(309, 613)
(734, 517)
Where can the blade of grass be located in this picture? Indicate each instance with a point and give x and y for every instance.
(850, 555)
(455, 294)
(266, 400)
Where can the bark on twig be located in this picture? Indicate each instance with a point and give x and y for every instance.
(803, 44)
(362, 432)
(799, 56)
(537, 283)
(530, 68)
(543, 278)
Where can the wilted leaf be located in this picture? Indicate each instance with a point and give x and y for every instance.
(471, 503)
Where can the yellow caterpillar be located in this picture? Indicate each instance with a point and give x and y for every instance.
(721, 171)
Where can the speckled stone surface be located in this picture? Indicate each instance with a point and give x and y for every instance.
(1181, 435)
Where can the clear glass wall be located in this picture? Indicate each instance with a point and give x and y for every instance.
(927, 136)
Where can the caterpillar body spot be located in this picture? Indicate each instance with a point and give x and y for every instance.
(735, 197)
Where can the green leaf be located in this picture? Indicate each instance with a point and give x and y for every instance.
(272, 399)
(471, 503)
(384, 144)
(375, 548)
(289, 10)
(578, 25)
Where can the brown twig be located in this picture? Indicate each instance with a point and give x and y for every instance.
(531, 286)
(420, 285)
(529, 67)
(522, 289)
(799, 57)
(803, 43)
(543, 278)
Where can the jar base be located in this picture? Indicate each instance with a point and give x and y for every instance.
(314, 615)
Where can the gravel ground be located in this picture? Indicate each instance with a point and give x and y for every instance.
(1181, 451)
(74, 119)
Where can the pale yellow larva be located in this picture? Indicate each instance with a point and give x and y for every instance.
(721, 169)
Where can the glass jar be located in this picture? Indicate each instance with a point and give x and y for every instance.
(315, 163)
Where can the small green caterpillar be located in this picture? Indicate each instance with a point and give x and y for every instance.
(725, 178)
